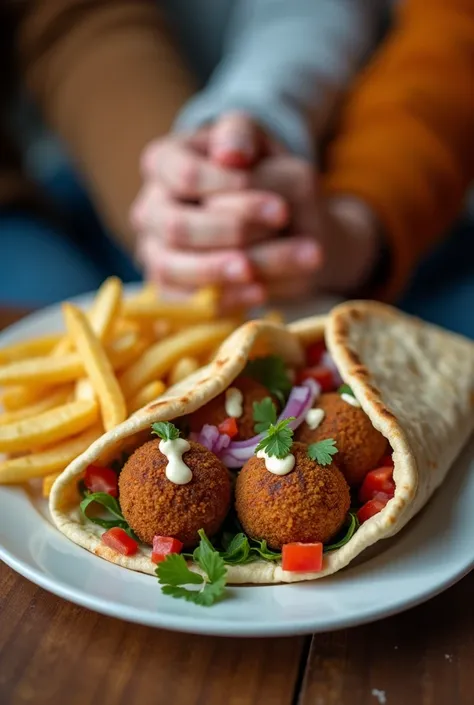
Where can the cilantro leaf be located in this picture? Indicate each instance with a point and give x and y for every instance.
(165, 430)
(278, 440)
(173, 573)
(323, 451)
(271, 372)
(111, 504)
(264, 414)
(352, 526)
(345, 389)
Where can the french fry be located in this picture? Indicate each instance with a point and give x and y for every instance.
(274, 317)
(148, 393)
(105, 308)
(101, 315)
(183, 368)
(48, 460)
(84, 389)
(55, 398)
(98, 367)
(48, 482)
(41, 371)
(49, 427)
(158, 360)
(17, 397)
(177, 312)
(29, 348)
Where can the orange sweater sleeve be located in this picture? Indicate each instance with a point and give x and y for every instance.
(405, 144)
(108, 79)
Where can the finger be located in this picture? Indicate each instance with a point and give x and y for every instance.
(287, 256)
(181, 226)
(254, 206)
(186, 173)
(151, 198)
(289, 176)
(235, 141)
(192, 269)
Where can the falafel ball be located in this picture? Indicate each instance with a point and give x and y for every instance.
(153, 505)
(309, 504)
(214, 412)
(360, 446)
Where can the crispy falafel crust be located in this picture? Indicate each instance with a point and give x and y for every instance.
(360, 446)
(153, 505)
(309, 504)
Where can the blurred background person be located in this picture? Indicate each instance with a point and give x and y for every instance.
(111, 75)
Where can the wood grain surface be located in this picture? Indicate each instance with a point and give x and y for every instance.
(52, 652)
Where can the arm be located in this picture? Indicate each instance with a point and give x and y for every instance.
(406, 143)
(287, 64)
(108, 80)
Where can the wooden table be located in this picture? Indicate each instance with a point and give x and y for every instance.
(52, 652)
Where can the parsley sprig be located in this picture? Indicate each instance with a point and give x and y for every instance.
(113, 508)
(173, 575)
(264, 414)
(271, 372)
(322, 451)
(165, 430)
(278, 439)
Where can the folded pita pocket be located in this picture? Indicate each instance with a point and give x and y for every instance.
(414, 381)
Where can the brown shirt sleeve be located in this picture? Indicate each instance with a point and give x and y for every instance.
(108, 79)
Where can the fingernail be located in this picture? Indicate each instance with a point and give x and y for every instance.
(236, 270)
(271, 210)
(242, 144)
(308, 255)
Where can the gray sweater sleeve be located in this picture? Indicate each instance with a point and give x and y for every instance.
(287, 63)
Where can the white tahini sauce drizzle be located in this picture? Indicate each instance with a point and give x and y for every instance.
(278, 466)
(233, 402)
(176, 469)
(314, 417)
(350, 400)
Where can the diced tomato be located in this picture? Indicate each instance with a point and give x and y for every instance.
(302, 557)
(120, 541)
(229, 426)
(99, 479)
(163, 546)
(315, 352)
(386, 462)
(379, 480)
(322, 375)
(372, 507)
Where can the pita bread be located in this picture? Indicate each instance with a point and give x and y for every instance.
(414, 381)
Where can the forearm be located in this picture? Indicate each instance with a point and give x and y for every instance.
(108, 80)
(406, 144)
(287, 63)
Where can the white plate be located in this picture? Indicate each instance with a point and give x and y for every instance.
(434, 552)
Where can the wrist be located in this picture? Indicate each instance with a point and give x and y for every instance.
(367, 246)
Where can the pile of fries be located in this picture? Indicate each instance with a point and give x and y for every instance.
(61, 392)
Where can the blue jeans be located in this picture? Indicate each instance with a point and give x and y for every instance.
(43, 262)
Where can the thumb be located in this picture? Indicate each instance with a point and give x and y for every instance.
(235, 141)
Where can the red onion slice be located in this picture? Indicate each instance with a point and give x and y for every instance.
(211, 438)
(299, 402)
